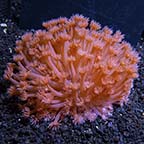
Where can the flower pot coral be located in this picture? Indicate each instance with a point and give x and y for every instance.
(73, 67)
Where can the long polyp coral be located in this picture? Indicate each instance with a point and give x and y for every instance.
(73, 67)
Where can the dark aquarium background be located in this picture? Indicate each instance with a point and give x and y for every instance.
(126, 15)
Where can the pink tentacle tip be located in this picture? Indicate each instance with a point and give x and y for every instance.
(54, 125)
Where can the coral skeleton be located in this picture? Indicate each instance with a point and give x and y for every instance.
(72, 67)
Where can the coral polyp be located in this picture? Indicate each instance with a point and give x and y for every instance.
(72, 67)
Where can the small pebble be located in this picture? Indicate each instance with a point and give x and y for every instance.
(3, 25)
(97, 127)
(10, 50)
(19, 119)
(5, 30)
(120, 114)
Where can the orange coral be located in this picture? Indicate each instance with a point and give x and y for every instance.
(73, 67)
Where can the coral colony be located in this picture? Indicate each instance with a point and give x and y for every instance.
(73, 67)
